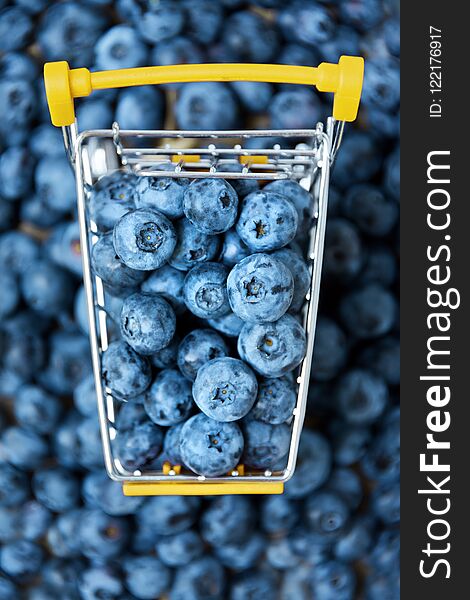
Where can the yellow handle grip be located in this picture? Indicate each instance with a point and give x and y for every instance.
(178, 488)
(343, 79)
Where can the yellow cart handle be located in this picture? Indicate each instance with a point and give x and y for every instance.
(343, 79)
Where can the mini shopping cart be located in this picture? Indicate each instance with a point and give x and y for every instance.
(198, 154)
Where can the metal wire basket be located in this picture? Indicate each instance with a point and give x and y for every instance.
(198, 154)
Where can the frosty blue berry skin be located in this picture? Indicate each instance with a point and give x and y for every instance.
(211, 205)
(111, 198)
(233, 248)
(198, 347)
(260, 288)
(118, 277)
(172, 442)
(301, 199)
(275, 401)
(138, 446)
(230, 324)
(313, 465)
(265, 444)
(266, 221)
(193, 247)
(225, 389)
(205, 290)
(300, 273)
(148, 322)
(273, 349)
(209, 447)
(168, 282)
(164, 194)
(169, 400)
(144, 239)
(124, 371)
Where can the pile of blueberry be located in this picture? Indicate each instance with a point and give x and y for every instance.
(66, 531)
(219, 251)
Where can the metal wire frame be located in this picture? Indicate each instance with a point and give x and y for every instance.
(315, 180)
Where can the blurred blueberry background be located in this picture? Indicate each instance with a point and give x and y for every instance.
(66, 531)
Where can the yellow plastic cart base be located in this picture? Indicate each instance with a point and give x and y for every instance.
(178, 488)
(344, 79)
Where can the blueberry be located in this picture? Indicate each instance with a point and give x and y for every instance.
(202, 579)
(46, 288)
(265, 444)
(69, 32)
(169, 401)
(146, 577)
(355, 542)
(227, 519)
(9, 524)
(380, 266)
(95, 113)
(250, 37)
(115, 274)
(161, 22)
(327, 515)
(69, 362)
(278, 515)
(147, 322)
(346, 41)
(368, 312)
(206, 105)
(8, 589)
(301, 199)
(243, 187)
(205, 292)
(98, 582)
(171, 444)
(275, 401)
(313, 465)
(140, 108)
(130, 414)
(125, 372)
(366, 206)
(16, 173)
(22, 337)
(35, 520)
(10, 293)
(101, 492)
(62, 536)
(343, 256)
(203, 20)
(306, 24)
(385, 503)
(362, 14)
(383, 359)
(192, 247)
(14, 488)
(267, 221)
(180, 549)
(253, 584)
(63, 247)
(18, 104)
(350, 444)
(260, 288)
(382, 83)
(334, 581)
(138, 446)
(358, 161)
(210, 205)
(120, 47)
(101, 536)
(168, 515)
(36, 212)
(17, 251)
(300, 273)
(177, 50)
(233, 249)
(21, 559)
(168, 282)
(197, 348)
(15, 28)
(330, 351)
(225, 389)
(242, 555)
(295, 109)
(210, 448)
(90, 453)
(230, 324)
(56, 488)
(18, 65)
(254, 96)
(298, 54)
(164, 194)
(347, 484)
(385, 555)
(273, 349)
(23, 448)
(144, 239)
(37, 410)
(111, 198)
(361, 397)
(383, 586)
(55, 183)
(280, 554)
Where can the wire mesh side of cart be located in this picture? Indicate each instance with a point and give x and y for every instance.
(197, 154)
